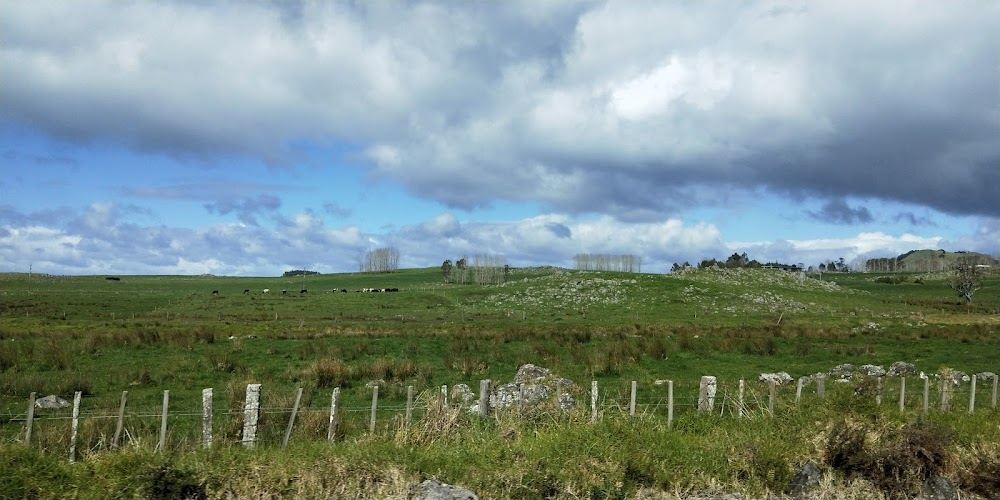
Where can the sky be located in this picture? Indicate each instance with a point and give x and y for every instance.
(252, 138)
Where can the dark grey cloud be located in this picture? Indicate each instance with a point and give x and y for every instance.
(559, 230)
(839, 212)
(914, 219)
(246, 209)
(638, 109)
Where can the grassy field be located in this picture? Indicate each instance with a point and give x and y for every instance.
(147, 334)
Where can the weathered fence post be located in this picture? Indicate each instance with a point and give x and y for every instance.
(162, 445)
(520, 397)
(559, 395)
(593, 401)
(771, 386)
(291, 418)
(206, 417)
(30, 420)
(947, 388)
(995, 378)
(972, 396)
(444, 397)
(484, 398)
(706, 393)
(371, 422)
(631, 403)
(121, 421)
(74, 426)
(670, 403)
(821, 387)
(927, 394)
(902, 394)
(251, 414)
(878, 391)
(331, 429)
(742, 407)
(798, 390)
(409, 404)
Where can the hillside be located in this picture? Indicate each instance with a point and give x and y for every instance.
(926, 260)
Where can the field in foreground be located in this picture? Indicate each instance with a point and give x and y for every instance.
(149, 334)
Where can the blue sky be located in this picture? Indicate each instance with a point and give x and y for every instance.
(249, 139)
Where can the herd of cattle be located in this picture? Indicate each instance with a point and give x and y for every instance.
(304, 291)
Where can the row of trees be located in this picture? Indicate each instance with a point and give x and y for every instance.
(379, 260)
(607, 262)
(487, 269)
(735, 261)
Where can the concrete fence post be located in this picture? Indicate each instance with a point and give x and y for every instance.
(206, 417)
(251, 415)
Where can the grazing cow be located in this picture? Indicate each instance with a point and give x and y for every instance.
(267, 290)
(284, 292)
(113, 278)
(302, 291)
(343, 290)
(246, 291)
(215, 292)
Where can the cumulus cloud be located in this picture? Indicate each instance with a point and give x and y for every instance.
(626, 108)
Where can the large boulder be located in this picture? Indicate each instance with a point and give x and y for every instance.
(530, 373)
(871, 370)
(51, 402)
(938, 488)
(901, 369)
(535, 384)
(432, 489)
(806, 478)
(841, 372)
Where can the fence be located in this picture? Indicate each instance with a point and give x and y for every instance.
(657, 400)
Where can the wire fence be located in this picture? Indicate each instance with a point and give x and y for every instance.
(247, 422)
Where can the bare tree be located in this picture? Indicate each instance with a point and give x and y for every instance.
(380, 260)
(607, 262)
(966, 278)
(489, 269)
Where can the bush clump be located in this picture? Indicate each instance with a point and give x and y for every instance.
(896, 461)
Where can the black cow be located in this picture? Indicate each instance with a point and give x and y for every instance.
(215, 292)
(113, 278)
(284, 292)
(246, 291)
(343, 290)
(303, 291)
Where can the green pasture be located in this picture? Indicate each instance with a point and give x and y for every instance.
(147, 334)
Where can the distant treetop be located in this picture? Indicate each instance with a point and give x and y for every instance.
(298, 272)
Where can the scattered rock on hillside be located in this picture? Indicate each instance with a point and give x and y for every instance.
(375, 383)
(901, 368)
(871, 370)
(432, 489)
(778, 378)
(842, 372)
(806, 478)
(51, 402)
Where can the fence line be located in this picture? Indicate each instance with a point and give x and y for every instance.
(706, 401)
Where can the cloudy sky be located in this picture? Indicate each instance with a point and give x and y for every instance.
(249, 138)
